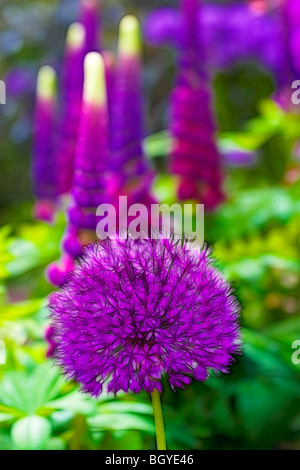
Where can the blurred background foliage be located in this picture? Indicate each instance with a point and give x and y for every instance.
(255, 234)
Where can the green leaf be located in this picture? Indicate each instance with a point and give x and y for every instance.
(126, 407)
(121, 421)
(266, 353)
(158, 144)
(76, 402)
(165, 189)
(251, 210)
(256, 405)
(18, 310)
(29, 393)
(5, 417)
(55, 443)
(31, 433)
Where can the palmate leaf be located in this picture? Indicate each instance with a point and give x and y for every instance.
(55, 443)
(266, 405)
(121, 421)
(116, 406)
(267, 354)
(35, 246)
(5, 439)
(251, 210)
(15, 311)
(284, 331)
(31, 433)
(256, 405)
(253, 268)
(120, 415)
(75, 402)
(27, 393)
(4, 417)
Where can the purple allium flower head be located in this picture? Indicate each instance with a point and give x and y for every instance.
(43, 175)
(131, 175)
(72, 85)
(194, 156)
(135, 310)
(92, 150)
(90, 18)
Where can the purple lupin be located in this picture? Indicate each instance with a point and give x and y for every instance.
(89, 186)
(194, 156)
(131, 175)
(90, 17)
(43, 171)
(72, 85)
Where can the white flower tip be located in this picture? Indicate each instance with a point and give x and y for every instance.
(46, 83)
(94, 79)
(130, 37)
(75, 36)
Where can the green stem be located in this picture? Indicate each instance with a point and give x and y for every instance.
(159, 421)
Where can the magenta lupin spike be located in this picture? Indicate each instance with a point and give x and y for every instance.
(131, 174)
(109, 62)
(88, 189)
(194, 156)
(90, 18)
(72, 84)
(43, 171)
(89, 181)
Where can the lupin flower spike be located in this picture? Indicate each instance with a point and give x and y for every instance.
(43, 167)
(194, 156)
(72, 84)
(247, 33)
(133, 311)
(130, 173)
(90, 18)
(89, 186)
(292, 14)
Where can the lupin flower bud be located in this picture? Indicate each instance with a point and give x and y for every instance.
(92, 150)
(72, 84)
(90, 18)
(43, 171)
(194, 156)
(131, 175)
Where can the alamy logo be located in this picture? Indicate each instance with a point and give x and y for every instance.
(296, 354)
(185, 222)
(296, 94)
(2, 92)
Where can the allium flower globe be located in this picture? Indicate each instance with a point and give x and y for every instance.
(135, 310)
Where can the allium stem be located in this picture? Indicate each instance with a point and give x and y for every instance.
(158, 421)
